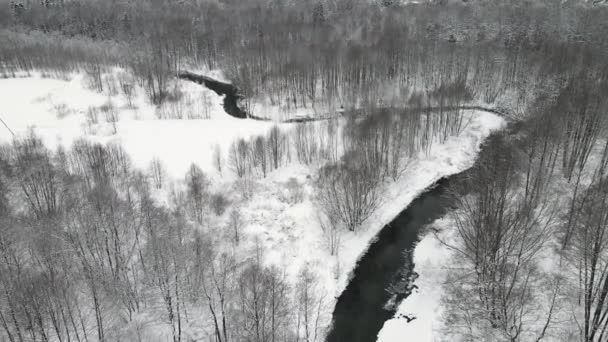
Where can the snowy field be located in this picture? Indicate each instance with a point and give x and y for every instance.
(288, 231)
(57, 110)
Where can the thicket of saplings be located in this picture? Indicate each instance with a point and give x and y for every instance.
(86, 249)
(535, 194)
(305, 53)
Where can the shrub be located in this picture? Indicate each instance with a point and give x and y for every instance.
(219, 203)
(294, 188)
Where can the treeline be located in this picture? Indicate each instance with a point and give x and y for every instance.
(531, 228)
(87, 254)
(321, 53)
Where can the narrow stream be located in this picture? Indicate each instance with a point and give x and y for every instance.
(232, 99)
(229, 91)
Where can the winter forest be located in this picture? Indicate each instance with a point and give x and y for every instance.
(303, 170)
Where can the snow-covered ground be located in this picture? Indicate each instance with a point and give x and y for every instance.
(287, 230)
(57, 111)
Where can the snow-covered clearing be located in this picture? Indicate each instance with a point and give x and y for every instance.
(287, 230)
(57, 110)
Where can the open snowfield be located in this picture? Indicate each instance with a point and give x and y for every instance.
(288, 230)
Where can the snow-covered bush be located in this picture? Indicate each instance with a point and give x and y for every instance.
(295, 190)
(218, 203)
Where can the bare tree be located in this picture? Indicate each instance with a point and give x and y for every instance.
(276, 146)
(163, 247)
(217, 158)
(306, 142)
(331, 232)
(36, 176)
(260, 155)
(198, 193)
(310, 301)
(111, 115)
(157, 172)
(240, 158)
(587, 253)
(218, 282)
(127, 87)
(580, 109)
(263, 303)
(348, 192)
(236, 223)
(500, 235)
(92, 119)
(246, 186)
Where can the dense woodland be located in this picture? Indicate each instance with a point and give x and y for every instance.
(302, 53)
(86, 249)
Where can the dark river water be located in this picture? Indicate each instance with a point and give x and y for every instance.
(386, 270)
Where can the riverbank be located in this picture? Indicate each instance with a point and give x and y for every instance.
(454, 156)
(380, 253)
